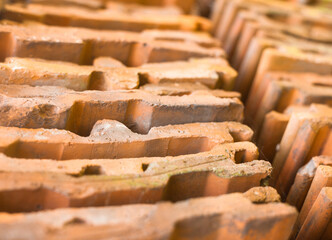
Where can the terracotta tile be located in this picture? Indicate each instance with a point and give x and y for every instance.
(111, 139)
(194, 219)
(319, 211)
(288, 61)
(186, 88)
(212, 72)
(106, 19)
(80, 45)
(273, 129)
(303, 180)
(44, 186)
(104, 76)
(203, 39)
(24, 106)
(284, 89)
(307, 135)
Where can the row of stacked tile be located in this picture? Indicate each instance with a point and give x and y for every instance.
(283, 55)
(109, 109)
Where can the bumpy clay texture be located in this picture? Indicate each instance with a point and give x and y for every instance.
(283, 55)
(21, 106)
(316, 207)
(123, 120)
(303, 180)
(307, 134)
(96, 182)
(193, 219)
(104, 75)
(275, 60)
(249, 28)
(111, 139)
(80, 45)
(285, 89)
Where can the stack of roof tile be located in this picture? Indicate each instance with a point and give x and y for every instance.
(124, 120)
(282, 52)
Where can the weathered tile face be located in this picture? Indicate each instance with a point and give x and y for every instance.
(211, 72)
(189, 219)
(320, 213)
(81, 45)
(186, 88)
(141, 113)
(307, 134)
(257, 61)
(275, 125)
(112, 139)
(303, 180)
(279, 59)
(239, 152)
(282, 89)
(271, 133)
(203, 39)
(275, 15)
(38, 72)
(316, 207)
(249, 28)
(139, 110)
(96, 183)
(274, 60)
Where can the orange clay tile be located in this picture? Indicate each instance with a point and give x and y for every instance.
(186, 88)
(277, 24)
(46, 107)
(212, 72)
(111, 139)
(307, 134)
(107, 76)
(228, 11)
(209, 217)
(80, 45)
(312, 210)
(285, 89)
(124, 5)
(283, 61)
(38, 72)
(106, 19)
(300, 21)
(303, 180)
(238, 152)
(271, 133)
(319, 214)
(253, 55)
(248, 67)
(175, 89)
(203, 39)
(43, 186)
(273, 129)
